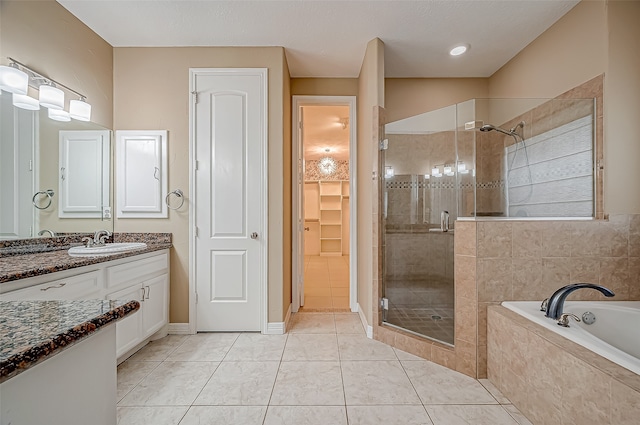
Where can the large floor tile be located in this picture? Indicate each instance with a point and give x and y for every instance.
(309, 384)
(224, 415)
(318, 303)
(305, 347)
(436, 384)
(306, 415)
(130, 374)
(388, 415)
(359, 347)
(403, 355)
(517, 415)
(240, 384)
(377, 383)
(348, 323)
(204, 347)
(161, 415)
(313, 323)
(257, 347)
(171, 384)
(500, 398)
(157, 351)
(469, 415)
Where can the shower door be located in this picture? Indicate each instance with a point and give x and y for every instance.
(419, 208)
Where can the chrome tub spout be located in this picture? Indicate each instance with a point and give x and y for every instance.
(556, 301)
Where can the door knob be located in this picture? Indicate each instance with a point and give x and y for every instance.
(254, 235)
(307, 229)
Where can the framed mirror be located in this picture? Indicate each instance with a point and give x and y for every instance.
(55, 177)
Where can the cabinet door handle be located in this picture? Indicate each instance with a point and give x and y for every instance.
(59, 285)
(148, 291)
(143, 292)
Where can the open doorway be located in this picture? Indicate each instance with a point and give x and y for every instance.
(324, 192)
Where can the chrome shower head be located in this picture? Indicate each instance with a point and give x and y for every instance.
(489, 127)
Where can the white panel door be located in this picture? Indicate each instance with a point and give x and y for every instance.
(230, 139)
(84, 173)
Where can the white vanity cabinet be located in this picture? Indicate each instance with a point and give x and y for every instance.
(83, 286)
(143, 277)
(145, 280)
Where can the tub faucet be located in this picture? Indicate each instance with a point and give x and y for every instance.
(556, 301)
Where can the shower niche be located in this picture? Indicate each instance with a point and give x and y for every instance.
(482, 159)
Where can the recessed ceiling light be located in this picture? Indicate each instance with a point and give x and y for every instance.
(458, 50)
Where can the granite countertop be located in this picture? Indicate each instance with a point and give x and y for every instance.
(32, 331)
(55, 258)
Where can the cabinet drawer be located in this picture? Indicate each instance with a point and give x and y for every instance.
(136, 271)
(83, 286)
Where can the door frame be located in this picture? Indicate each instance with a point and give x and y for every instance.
(297, 102)
(264, 201)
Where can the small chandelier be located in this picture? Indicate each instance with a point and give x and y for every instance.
(327, 165)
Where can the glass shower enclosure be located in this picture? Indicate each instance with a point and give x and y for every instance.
(489, 158)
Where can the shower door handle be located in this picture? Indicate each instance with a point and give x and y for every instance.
(444, 221)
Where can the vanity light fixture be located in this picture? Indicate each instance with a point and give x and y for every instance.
(59, 115)
(435, 172)
(51, 96)
(448, 171)
(23, 101)
(13, 80)
(459, 49)
(80, 110)
(462, 168)
(388, 171)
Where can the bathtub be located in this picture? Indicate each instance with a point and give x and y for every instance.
(615, 334)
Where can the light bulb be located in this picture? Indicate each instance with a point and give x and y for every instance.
(51, 97)
(13, 80)
(59, 115)
(23, 101)
(80, 110)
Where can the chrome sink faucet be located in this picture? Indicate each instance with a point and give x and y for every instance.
(43, 231)
(556, 301)
(100, 237)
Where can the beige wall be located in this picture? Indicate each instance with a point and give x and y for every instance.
(152, 92)
(287, 206)
(405, 97)
(570, 52)
(46, 37)
(324, 86)
(622, 108)
(371, 94)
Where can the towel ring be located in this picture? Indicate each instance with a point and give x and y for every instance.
(48, 193)
(177, 193)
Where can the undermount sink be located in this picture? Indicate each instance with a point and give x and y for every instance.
(107, 249)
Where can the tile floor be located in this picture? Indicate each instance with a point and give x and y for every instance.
(326, 283)
(325, 371)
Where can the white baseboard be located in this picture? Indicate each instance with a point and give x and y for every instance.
(363, 319)
(179, 329)
(279, 328)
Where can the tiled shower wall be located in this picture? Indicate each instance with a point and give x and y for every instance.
(499, 261)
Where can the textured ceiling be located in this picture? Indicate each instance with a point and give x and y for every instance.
(328, 38)
(323, 129)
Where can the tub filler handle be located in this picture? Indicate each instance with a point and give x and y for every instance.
(564, 319)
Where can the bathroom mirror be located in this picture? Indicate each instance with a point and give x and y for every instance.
(38, 193)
